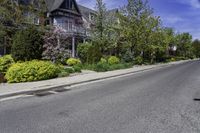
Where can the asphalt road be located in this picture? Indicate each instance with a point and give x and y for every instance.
(156, 101)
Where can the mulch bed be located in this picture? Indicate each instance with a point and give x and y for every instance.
(2, 79)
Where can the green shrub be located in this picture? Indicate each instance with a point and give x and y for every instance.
(128, 56)
(103, 60)
(83, 51)
(89, 53)
(113, 60)
(77, 68)
(5, 62)
(68, 70)
(32, 71)
(138, 60)
(120, 66)
(27, 45)
(101, 67)
(73, 62)
(63, 74)
(180, 58)
(172, 59)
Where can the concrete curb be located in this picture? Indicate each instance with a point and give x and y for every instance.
(53, 87)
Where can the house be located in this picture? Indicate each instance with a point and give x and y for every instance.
(75, 20)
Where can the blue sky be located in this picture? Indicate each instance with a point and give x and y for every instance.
(182, 15)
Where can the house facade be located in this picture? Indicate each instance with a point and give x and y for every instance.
(75, 20)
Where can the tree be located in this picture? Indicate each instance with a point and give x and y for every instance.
(141, 29)
(27, 45)
(13, 17)
(55, 46)
(184, 45)
(101, 34)
(196, 48)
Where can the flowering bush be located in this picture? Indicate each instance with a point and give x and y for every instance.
(55, 46)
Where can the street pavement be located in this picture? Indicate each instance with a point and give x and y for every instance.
(156, 101)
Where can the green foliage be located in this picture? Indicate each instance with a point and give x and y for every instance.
(138, 60)
(103, 60)
(68, 70)
(184, 45)
(73, 62)
(63, 74)
(89, 53)
(196, 48)
(5, 62)
(172, 59)
(101, 67)
(77, 69)
(113, 60)
(180, 58)
(83, 51)
(120, 66)
(27, 45)
(128, 56)
(32, 71)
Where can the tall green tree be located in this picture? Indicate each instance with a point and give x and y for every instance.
(196, 48)
(99, 36)
(184, 45)
(10, 21)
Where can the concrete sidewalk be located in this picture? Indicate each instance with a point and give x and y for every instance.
(8, 90)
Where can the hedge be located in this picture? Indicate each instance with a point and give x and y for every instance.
(5, 62)
(32, 71)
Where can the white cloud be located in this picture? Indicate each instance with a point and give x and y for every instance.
(192, 3)
(172, 19)
(195, 3)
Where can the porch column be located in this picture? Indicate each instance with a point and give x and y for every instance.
(73, 47)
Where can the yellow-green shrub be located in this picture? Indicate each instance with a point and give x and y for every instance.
(5, 62)
(32, 71)
(103, 60)
(73, 62)
(113, 60)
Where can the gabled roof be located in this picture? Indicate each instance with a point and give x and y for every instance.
(49, 4)
(86, 11)
(52, 5)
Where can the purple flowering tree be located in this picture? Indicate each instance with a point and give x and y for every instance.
(56, 45)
